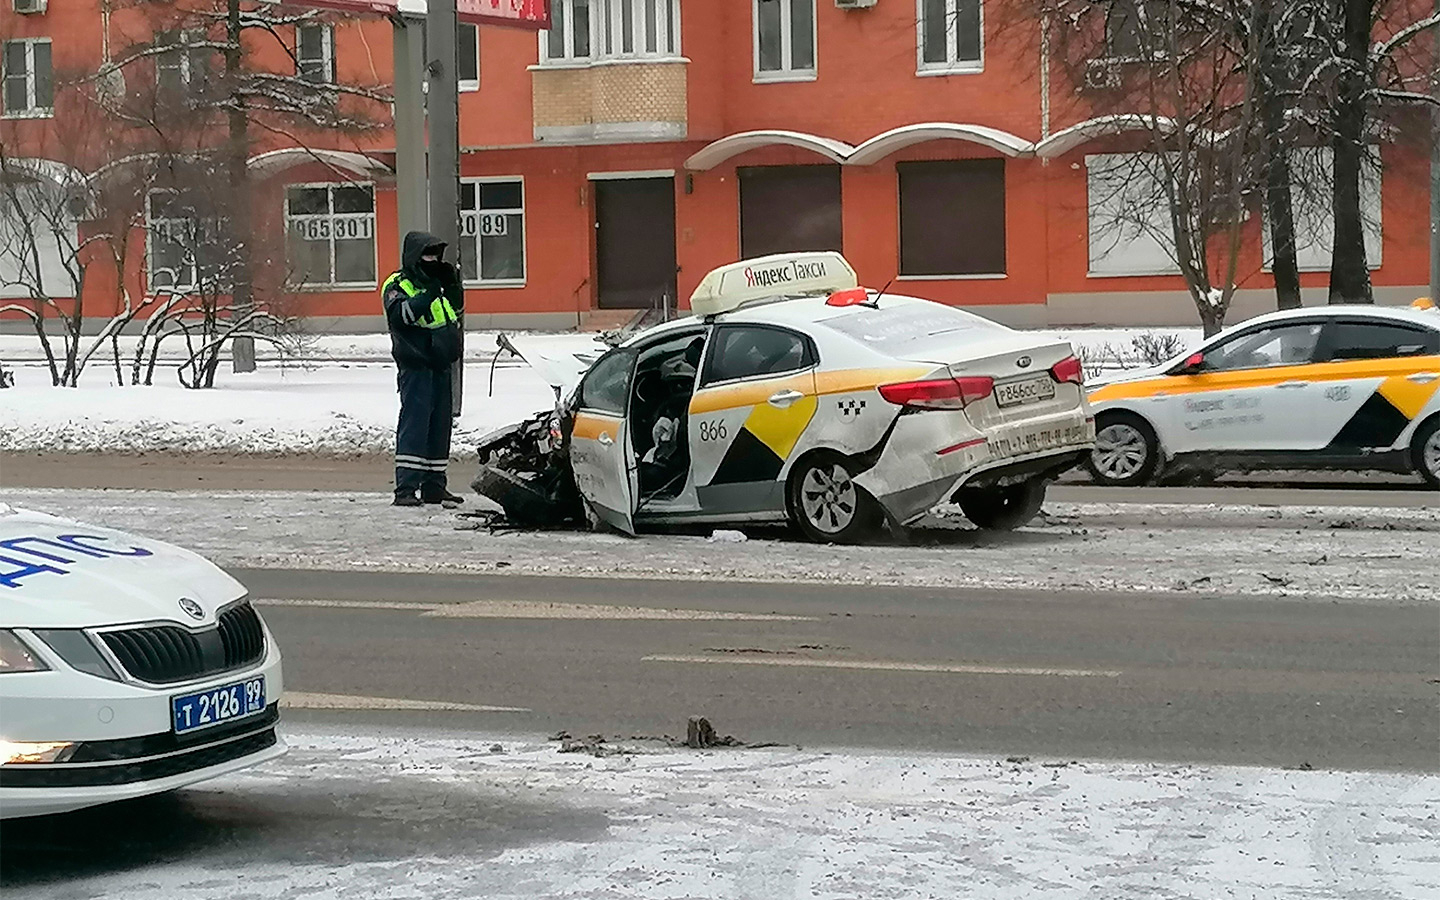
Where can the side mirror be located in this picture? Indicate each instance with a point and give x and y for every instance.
(1193, 364)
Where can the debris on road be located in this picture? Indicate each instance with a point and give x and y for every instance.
(724, 536)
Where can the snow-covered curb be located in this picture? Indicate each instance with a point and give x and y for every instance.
(1364, 554)
(411, 815)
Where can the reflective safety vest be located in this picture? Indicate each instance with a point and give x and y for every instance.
(440, 314)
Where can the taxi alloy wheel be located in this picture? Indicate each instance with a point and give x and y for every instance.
(827, 505)
(1427, 452)
(1126, 452)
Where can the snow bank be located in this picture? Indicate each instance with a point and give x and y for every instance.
(337, 409)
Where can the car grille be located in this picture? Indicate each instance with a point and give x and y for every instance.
(167, 654)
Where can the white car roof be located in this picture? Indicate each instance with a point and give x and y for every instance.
(1410, 315)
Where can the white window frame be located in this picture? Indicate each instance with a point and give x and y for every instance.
(470, 85)
(1315, 219)
(1144, 242)
(180, 57)
(952, 65)
(567, 19)
(31, 110)
(473, 241)
(330, 187)
(607, 20)
(192, 271)
(327, 53)
(787, 70)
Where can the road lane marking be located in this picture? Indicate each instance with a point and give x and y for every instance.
(349, 604)
(301, 700)
(885, 666)
(535, 609)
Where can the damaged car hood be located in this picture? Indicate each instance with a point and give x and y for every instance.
(560, 359)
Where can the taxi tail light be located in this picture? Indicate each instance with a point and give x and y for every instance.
(939, 393)
(1068, 369)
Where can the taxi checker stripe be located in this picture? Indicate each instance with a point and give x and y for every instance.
(1377, 423)
(1251, 378)
(1410, 397)
(841, 381)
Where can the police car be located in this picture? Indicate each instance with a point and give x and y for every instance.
(793, 394)
(127, 667)
(1338, 387)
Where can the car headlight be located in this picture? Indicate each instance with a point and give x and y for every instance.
(78, 651)
(35, 751)
(15, 656)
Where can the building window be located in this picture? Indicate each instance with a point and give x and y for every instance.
(952, 217)
(568, 40)
(184, 249)
(183, 68)
(29, 82)
(1129, 226)
(784, 39)
(951, 38)
(467, 56)
(790, 209)
(637, 29)
(1312, 205)
(315, 53)
(331, 230)
(492, 225)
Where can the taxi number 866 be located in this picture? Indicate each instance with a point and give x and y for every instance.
(713, 430)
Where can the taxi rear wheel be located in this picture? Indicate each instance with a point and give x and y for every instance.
(1126, 453)
(1426, 452)
(1003, 509)
(827, 506)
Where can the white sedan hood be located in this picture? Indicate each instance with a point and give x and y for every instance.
(55, 573)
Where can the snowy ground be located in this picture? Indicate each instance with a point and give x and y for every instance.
(401, 815)
(321, 406)
(1368, 554)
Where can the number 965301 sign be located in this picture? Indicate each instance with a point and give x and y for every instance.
(323, 229)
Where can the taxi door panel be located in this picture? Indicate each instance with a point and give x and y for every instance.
(741, 435)
(601, 455)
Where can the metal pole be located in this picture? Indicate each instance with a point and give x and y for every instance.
(412, 194)
(1435, 165)
(443, 109)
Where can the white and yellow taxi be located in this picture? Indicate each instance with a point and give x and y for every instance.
(1339, 387)
(793, 394)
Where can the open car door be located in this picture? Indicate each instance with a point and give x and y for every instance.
(601, 453)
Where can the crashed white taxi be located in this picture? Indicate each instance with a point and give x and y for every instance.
(793, 394)
(127, 667)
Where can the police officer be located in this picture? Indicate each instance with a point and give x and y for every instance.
(422, 305)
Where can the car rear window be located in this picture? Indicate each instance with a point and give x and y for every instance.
(902, 328)
(1380, 340)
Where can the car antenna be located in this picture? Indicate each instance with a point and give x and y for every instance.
(875, 301)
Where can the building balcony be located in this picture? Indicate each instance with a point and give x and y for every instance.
(610, 101)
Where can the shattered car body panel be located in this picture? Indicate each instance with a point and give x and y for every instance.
(888, 403)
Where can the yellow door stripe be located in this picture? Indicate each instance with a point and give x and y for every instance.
(844, 381)
(780, 429)
(750, 393)
(589, 426)
(1253, 378)
(1407, 396)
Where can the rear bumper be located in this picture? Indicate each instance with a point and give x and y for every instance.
(930, 455)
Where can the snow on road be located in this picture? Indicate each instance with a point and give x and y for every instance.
(1374, 555)
(405, 815)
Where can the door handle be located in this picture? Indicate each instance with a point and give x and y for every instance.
(783, 399)
(1293, 384)
(1159, 395)
(606, 439)
(1422, 377)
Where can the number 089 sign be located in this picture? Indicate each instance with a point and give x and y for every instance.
(485, 224)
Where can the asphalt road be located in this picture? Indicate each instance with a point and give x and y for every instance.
(186, 472)
(1080, 675)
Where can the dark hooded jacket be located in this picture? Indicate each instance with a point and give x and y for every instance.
(413, 345)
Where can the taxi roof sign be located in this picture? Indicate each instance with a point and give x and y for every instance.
(781, 275)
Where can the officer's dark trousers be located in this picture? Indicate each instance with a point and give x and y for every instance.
(422, 438)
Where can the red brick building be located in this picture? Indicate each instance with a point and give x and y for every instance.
(612, 161)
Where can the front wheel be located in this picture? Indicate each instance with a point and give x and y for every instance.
(827, 506)
(1426, 452)
(1005, 508)
(1126, 453)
